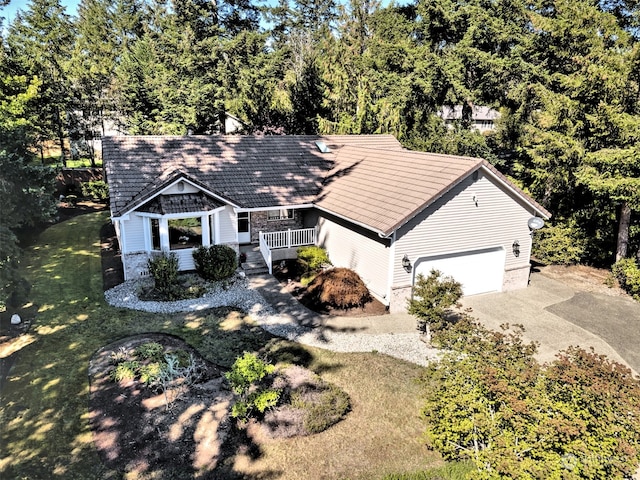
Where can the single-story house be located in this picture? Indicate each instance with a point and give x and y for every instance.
(386, 212)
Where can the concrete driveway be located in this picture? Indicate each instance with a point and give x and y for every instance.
(557, 316)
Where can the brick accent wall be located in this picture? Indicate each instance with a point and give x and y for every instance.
(260, 223)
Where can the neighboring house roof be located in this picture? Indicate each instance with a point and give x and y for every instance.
(368, 179)
(246, 171)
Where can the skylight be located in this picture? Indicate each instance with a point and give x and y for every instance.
(322, 147)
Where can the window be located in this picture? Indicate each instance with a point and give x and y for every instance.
(185, 233)
(155, 234)
(282, 214)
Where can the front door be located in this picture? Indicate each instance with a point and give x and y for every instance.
(244, 227)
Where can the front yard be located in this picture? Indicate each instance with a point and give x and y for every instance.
(44, 410)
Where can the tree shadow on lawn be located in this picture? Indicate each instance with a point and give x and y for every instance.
(184, 431)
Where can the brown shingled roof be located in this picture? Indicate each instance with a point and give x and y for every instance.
(383, 189)
(368, 179)
(248, 171)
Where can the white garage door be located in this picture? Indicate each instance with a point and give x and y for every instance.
(480, 271)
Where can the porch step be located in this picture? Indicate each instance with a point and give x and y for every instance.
(255, 264)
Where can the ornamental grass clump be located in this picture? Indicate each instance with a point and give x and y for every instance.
(338, 288)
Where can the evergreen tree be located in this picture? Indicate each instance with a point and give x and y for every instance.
(40, 40)
(25, 188)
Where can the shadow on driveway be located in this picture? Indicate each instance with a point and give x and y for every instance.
(557, 316)
(614, 319)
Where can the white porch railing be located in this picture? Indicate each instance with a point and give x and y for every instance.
(290, 238)
(266, 253)
(284, 239)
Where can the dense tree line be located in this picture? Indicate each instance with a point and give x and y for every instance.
(565, 75)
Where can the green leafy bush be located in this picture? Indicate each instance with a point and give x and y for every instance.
(489, 401)
(561, 244)
(164, 271)
(215, 262)
(338, 288)
(96, 189)
(312, 258)
(245, 378)
(432, 296)
(627, 272)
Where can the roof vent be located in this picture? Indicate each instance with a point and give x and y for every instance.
(322, 147)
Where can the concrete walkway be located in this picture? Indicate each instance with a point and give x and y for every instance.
(286, 304)
(557, 316)
(554, 315)
(394, 335)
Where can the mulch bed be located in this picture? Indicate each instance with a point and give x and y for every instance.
(137, 431)
(287, 275)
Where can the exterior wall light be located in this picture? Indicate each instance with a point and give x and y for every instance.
(406, 263)
(516, 248)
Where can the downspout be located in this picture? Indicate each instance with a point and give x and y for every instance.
(392, 256)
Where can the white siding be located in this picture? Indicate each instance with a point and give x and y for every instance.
(358, 249)
(476, 214)
(134, 234)
(228, 225)
(185, 259)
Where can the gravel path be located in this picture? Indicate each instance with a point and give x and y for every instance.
(406, 346)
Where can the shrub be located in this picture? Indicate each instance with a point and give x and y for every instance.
(150, 350)
(561, 244)
(96, 189)
(245, 378)
(164, 270)
(489, 401)
(627, 272)
(338, 288)
(215, 262)
(126, 370)
(312, 258)
(432, 296)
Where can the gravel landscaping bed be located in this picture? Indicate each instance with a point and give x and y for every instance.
(236, 293)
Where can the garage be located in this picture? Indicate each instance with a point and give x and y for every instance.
(479, 271)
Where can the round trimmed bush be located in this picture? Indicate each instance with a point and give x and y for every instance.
(338, 288)
(215, 262)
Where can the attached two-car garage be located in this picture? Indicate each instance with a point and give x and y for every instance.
(479, 271)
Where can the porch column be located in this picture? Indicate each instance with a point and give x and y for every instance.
(163, 223)
(206, 230)
(216, 227)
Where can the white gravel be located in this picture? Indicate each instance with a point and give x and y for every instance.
(406, 346)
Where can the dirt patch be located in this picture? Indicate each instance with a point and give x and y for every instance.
(584, 278)
(289, 277)
(141, 430)
(189, 433)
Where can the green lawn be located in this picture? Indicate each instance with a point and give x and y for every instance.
(44, 406)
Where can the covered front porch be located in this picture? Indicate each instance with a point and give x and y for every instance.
(280, 245)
